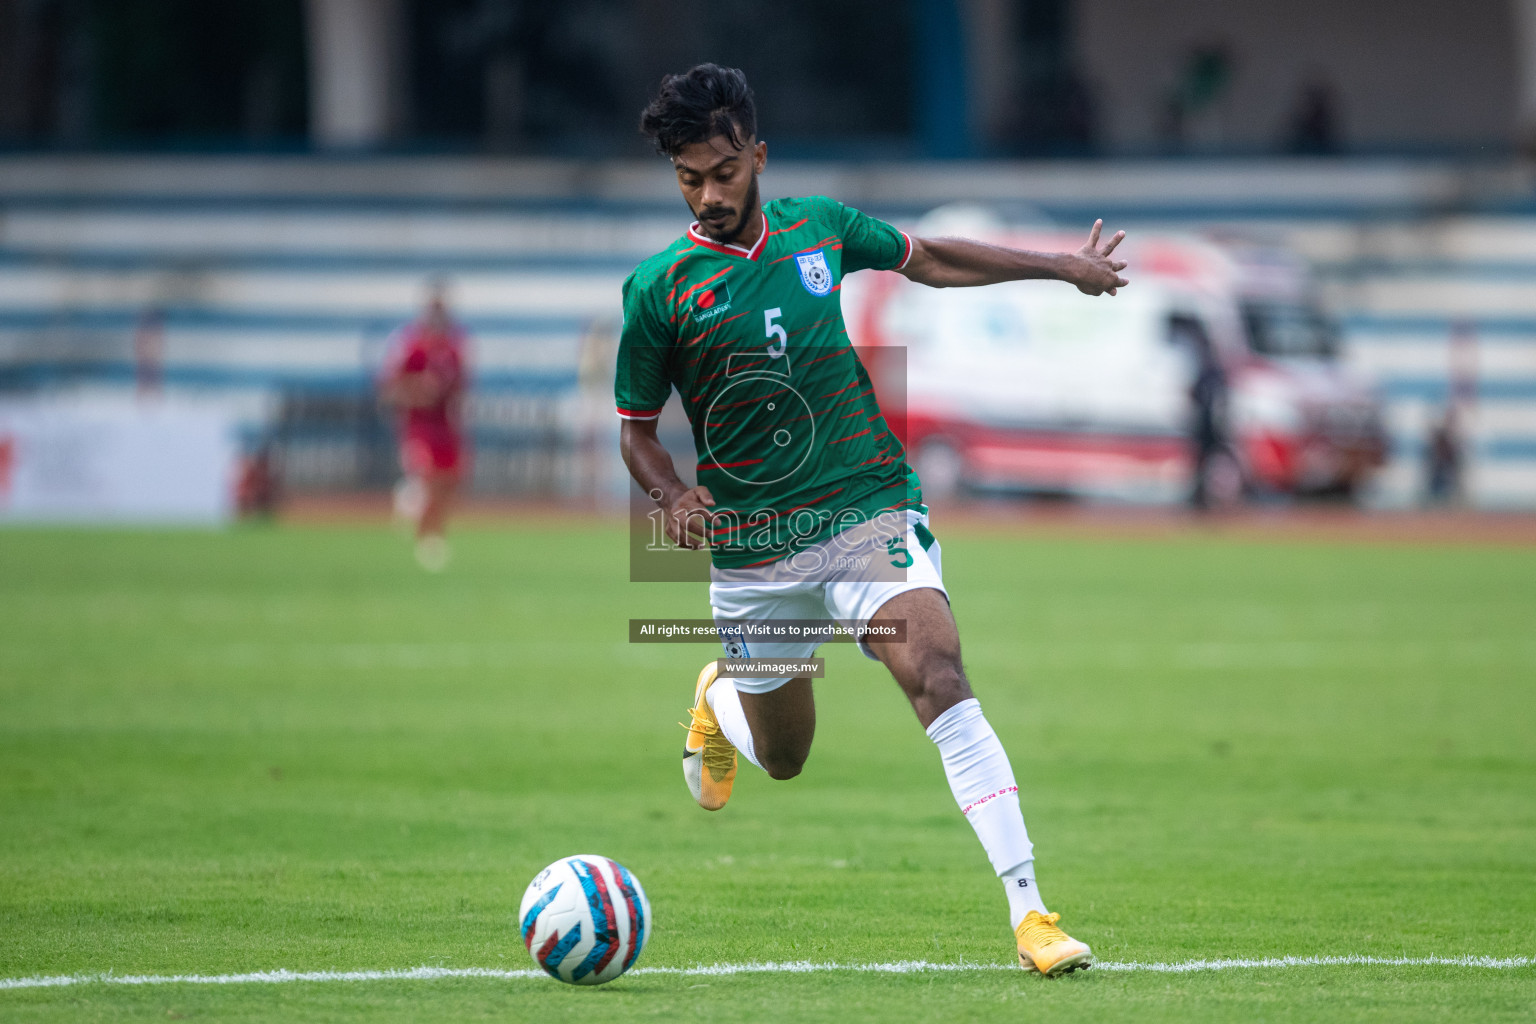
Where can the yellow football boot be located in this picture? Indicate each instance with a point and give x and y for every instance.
(709, 760)
(1045, 948)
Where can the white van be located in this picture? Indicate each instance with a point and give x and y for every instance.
(1034, 387)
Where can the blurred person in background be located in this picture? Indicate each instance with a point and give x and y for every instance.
(149, 352)
(1442, 456)
(1208, 419)
(1314, 127)
(258, 487)
(595, 356)
(1446, 446)
(425, 377)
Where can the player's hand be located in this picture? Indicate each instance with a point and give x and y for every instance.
(1093, 271)
(687, 517)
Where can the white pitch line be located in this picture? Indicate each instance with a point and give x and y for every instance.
(790, 967)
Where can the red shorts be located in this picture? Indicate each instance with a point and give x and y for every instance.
(426, 450)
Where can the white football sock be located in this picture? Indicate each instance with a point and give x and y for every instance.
(982, 781)
(1023, 895)
(726, 704)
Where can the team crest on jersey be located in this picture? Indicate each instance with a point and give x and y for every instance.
(814, 272)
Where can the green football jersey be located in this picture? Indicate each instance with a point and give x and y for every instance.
(790, 440)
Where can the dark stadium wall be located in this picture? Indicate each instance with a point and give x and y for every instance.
(152, 73)
(1252, 76)
(835, 78)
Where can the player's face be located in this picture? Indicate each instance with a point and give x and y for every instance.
(719, 183)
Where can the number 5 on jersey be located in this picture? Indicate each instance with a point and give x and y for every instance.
(773, 330)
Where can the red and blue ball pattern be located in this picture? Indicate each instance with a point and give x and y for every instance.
(585, 919)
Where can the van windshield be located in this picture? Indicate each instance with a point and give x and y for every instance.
(1285, 329)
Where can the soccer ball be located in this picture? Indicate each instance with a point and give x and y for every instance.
(585, 919)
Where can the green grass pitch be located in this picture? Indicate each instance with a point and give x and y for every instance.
(288, 748)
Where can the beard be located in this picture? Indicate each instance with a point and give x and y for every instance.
(733, 228)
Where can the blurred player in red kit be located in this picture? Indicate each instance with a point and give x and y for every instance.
(425, 377)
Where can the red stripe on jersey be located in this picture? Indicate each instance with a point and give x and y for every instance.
(791, 227)
(850, 437)
(715, 328)
(829, 355)
(750, 401)
(684, 297)
(639, 414)
(728, 465)
(906, 255)
(825, 243)
(766, 561)
(681, 257)
(760, 522)
(810, 327)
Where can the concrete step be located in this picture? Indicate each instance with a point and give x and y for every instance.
(364, 295)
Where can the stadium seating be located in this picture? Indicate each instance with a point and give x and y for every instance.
(265, 278)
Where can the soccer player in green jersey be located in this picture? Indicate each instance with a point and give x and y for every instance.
(804, 498)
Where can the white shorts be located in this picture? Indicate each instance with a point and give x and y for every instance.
(846, 578)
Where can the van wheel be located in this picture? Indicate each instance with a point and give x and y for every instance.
(940, 468)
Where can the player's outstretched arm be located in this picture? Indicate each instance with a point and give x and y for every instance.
(650, 463)
(965, 262)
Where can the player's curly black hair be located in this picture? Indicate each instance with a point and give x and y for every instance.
(700, 103)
